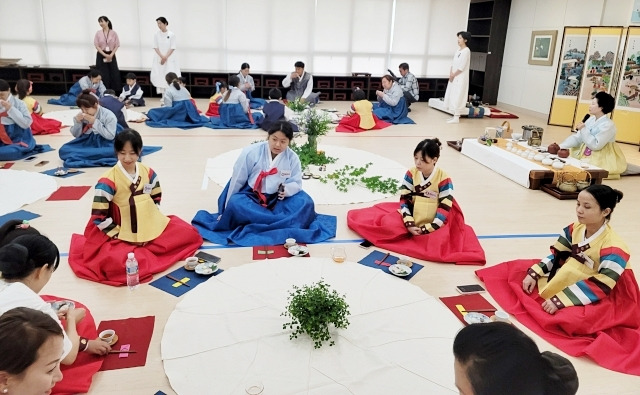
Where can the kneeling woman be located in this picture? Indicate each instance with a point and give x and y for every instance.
(125, 218)
(263, 203)
(428, 224)
(583, 297)
(235, 111)
(595, 141)
(391, 106)
(179, 109)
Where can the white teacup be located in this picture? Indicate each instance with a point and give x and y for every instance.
(107, 335)
(290, 241)
(192, 262)
(501, 316)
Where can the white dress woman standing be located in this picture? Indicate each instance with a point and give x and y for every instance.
(455, 98)
(165, 61)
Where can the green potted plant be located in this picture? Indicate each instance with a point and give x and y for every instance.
(313, 123)
(312, 309)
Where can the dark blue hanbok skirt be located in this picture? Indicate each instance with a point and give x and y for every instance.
(93, 150)
(182, 114)
(246, 223)
(396, 114)
(24, 144)
(68, 99)
(232, 116)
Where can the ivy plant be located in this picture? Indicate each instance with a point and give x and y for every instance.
(312, 308)
(350, 175)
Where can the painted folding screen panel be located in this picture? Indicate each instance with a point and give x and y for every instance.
(600, 62)
(568, 76)
(627, 112)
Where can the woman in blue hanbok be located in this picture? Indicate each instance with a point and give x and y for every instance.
(16, 139)
(92, 81)
(235, 112)
(179, 110)
(263, 203)
(391, 106)
(247, 85)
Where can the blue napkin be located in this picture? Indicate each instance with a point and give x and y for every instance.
(51, 172)
(376, 255)
(166, 284)
(20, 214)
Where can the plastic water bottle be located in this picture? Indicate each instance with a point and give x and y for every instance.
(133, 280)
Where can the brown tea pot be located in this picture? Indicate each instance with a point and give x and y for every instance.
(553, 148)
(563, 153)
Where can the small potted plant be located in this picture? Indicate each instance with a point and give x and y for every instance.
(312, 308)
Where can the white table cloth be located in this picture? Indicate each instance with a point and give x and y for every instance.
(508, 164)
(229, 329)
(20, 187)
(66, 116)
(220, 169)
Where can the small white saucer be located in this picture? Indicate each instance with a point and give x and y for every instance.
(400, 270)
(476, 318)
(206, 268)
(298, 250)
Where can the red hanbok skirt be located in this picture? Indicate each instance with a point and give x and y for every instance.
(351, 124)
(607, 331)
(44, 125)
(213, 110)
(77, 376)
(455, 242)
(96, 257)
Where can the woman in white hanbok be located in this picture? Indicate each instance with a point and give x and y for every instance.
(165, 59)
(455, 98)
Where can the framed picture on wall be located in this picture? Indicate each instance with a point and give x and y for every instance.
(635, 13)
(543, 45)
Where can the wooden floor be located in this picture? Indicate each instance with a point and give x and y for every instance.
(493, 205)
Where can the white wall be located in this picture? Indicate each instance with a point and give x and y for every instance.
(529, 86)
(330, 36)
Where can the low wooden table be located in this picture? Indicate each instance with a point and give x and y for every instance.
(520, 170)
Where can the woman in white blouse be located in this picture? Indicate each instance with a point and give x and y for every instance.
(455, 98)
(165, 61)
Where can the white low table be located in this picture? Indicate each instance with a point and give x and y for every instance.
(229, 329)
(439, 105)
(518, 169)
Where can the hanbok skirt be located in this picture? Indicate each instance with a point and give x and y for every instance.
(351, 124)
(68, 99)
(395, 114)
(95, 256)
(255, 102)
(233, 116)
(77, 377)
(610, 158)
(246, 223)
(42, 125)
(93, 150)
(23, 145)
(183, 114)
(455, 242)
(607, 331)
(213, 110)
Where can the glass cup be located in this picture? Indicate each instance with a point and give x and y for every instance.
(338, 254)
(254, 387)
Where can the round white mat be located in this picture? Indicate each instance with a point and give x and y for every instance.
(220, 169)
(228, 331)
(66, 116)
(20, 187)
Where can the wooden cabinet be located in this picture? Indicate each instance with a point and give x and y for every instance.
(56, 81)
(487, 24)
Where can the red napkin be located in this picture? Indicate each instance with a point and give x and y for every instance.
(69, 193)
(7, 165)
(278, 252)
(137, 333)
(469, 302)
